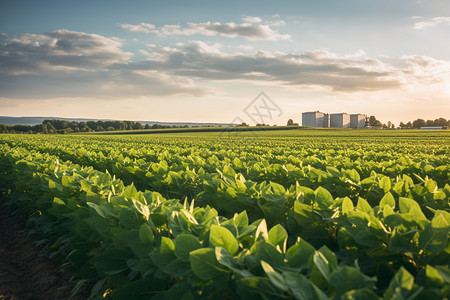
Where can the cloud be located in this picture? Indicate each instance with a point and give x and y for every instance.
(353, 72)
(424, 70)
(312, 68)
(432, 22)
(249, 30)
(142, 27)
(65, 63)
(249, 19)
(59, 49)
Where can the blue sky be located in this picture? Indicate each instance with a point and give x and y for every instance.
(205, 61)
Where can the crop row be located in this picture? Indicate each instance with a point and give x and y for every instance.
(139, 243)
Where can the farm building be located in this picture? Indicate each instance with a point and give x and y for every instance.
(357, 120)
(315, 119)
(340, 120)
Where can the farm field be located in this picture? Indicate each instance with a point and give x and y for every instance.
(296, 214)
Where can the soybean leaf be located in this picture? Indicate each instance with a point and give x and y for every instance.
(184, 244)
(299, 285)
(347, 205)
(387, 199)
(225, 259)
(323, 198)
(222, 237)
(298, 255)
(278, 236)
(146, 234)
(347, 278)
(275, 277)
(205, 265)
(400, 286)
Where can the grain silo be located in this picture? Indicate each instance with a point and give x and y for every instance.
(358, 121)
(315, 119)
(340, 120)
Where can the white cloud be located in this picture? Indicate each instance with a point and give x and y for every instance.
(312, 68)
(424, 70)
(65, 63)
(432, 22)
(320, 68)
(250, 19)
(59, 49)
(142, 27)
(249, 30)
(355, 54)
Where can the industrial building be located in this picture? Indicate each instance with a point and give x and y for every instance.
(315, 119)
(358, 121)
(338, 120)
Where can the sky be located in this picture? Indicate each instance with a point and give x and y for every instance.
(225, 61)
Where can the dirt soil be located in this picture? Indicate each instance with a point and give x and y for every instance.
(24, 274)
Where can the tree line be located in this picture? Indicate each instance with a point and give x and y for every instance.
(63, 127)
(416, 124)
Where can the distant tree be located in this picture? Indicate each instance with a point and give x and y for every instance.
(243, 124)
(21, 128)
(418, 123)
(291, 123)
(137, 125)
(374, 122)
(91, 124)
(392, 125)
(38, 128)
(120, 125)
(441, 122)
(3, 128)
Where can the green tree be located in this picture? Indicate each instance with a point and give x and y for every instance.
(137, 125)
(418, 123)
(3, 128)
(374, 122)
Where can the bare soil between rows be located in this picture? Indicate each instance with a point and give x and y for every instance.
(24, 274)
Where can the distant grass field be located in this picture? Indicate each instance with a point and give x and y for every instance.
(202, 129)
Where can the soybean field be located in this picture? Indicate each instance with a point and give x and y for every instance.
(297, 214)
